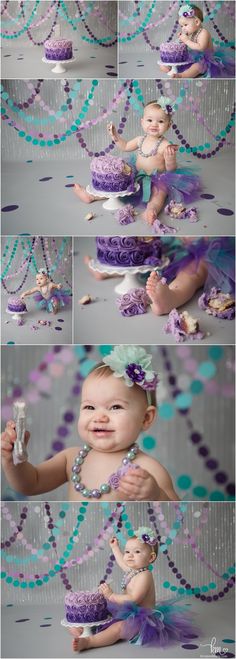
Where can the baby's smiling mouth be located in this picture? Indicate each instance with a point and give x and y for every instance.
(100, 431)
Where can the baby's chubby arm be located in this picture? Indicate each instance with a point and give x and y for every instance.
(30, 291)
(150, 481)
(137, 592)
(202, 41)
(131, 145)
(25, 477)
(56, 286)
(114, 544)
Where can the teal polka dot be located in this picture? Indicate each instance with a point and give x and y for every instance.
(204, 589)
(130, 533)
(184, 482)
(173, 588)
(166, 584)
(199, 491)
(216, 352)
(183, 401)
(86, 367)
(11, 343)
(105, 350)
(228, 640)
(212, 585)
(31, 584)
(217, 496)
(166, 411)
(196, 387)
(181, 591)
(149, 443)
(207, 370)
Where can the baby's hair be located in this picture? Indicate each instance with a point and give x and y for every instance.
(102, 370)
(159, 108)
(198, 12)
(154, 548)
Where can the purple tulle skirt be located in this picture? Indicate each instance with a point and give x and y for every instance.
(183, 184)
(59, 298)
(214, 63)
(165, 624)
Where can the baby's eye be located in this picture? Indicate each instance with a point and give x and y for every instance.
(116, 407)
(137, 551)
(126, 551)
(88, 407)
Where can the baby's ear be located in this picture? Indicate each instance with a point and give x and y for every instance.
(149, 417)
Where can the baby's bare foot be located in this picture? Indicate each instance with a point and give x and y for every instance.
(78, 643)
(176, 75)
(163, 298)
(83, 194)
(150, 214)
(97, 275)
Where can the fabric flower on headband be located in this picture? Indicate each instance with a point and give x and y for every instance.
(145, 534)
(186, 11)
(133, 364)
(166, 104)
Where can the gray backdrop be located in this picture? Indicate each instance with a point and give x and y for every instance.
(211, 414)
(216, 542)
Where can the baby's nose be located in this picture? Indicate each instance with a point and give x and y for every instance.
(102, 415)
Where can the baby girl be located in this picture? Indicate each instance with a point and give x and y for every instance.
(135, 615)
(118, 403)
(155, 164)
(47, 294)
(202, 59)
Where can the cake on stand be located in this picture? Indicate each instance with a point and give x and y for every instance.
(87, 626)
(61, 66)
(129, 274)
(112, 202)
(173, 65)
(16, 315)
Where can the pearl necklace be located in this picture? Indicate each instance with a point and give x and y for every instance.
(193, 37)
(105, 487)
(129, 575)
(153, 151)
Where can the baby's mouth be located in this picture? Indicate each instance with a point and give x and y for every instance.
(101, 431)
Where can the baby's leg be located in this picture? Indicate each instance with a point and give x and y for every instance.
(107, 637)
(84, 195)
(155, 204)
(182, 288)
(193, 71)
(55, 305)
(164, 68)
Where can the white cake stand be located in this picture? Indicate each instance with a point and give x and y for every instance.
(87, 626)
(113, 202)
(130, 275)
(173, 66)
(16, 314)
(60, 65)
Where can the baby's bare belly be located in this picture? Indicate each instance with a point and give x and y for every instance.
(150, 164)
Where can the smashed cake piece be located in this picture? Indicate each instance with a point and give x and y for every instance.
(218, 304)
(183, 326)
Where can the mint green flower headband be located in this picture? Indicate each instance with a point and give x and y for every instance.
(133, 364)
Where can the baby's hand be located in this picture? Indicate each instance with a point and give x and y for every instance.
(8, 438)
(138, 484)
(112, 131)
(22, 296)
(59, 286)
(184, 38)
(105, 590)
(113, 542)
(170, 150)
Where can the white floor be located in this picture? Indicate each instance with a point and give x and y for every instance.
(40, 201)
(91, 62)
(102, 322)
(29, 639)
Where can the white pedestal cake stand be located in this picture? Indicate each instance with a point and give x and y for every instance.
(60, 64)
(113, 202)
(87, 626)
(130, 275)
(16, 314)
(173, 66)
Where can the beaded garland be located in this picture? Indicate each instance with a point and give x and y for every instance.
(153, 151)
(129, 575)
(105, 487)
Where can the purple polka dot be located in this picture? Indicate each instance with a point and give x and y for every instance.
(112, 74)
(207, 196)
(19, 58)
(227, 654)
(58, 446)
(48, 625)
(6, 55)
(122, 62)
(189, 646)
(7, 209)
(109, 66)
(69, 185)
(224, 211)
(60, 320)
(190, 636)
(59, 329)
(22, 620)
(46, 178)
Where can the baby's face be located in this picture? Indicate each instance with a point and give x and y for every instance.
(155, 121)
(189, 25)
(41, 279)
(111, 414)
(137, 554)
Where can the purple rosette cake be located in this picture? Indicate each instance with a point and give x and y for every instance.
(133, 303)
(16, 305)
(85, 607)
(170, 53)
(110, 174)
(58, 49)
(128, 251)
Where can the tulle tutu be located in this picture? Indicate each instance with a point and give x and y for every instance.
(161, 626)
(182, 184)
(214, 63)
(62, 298)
